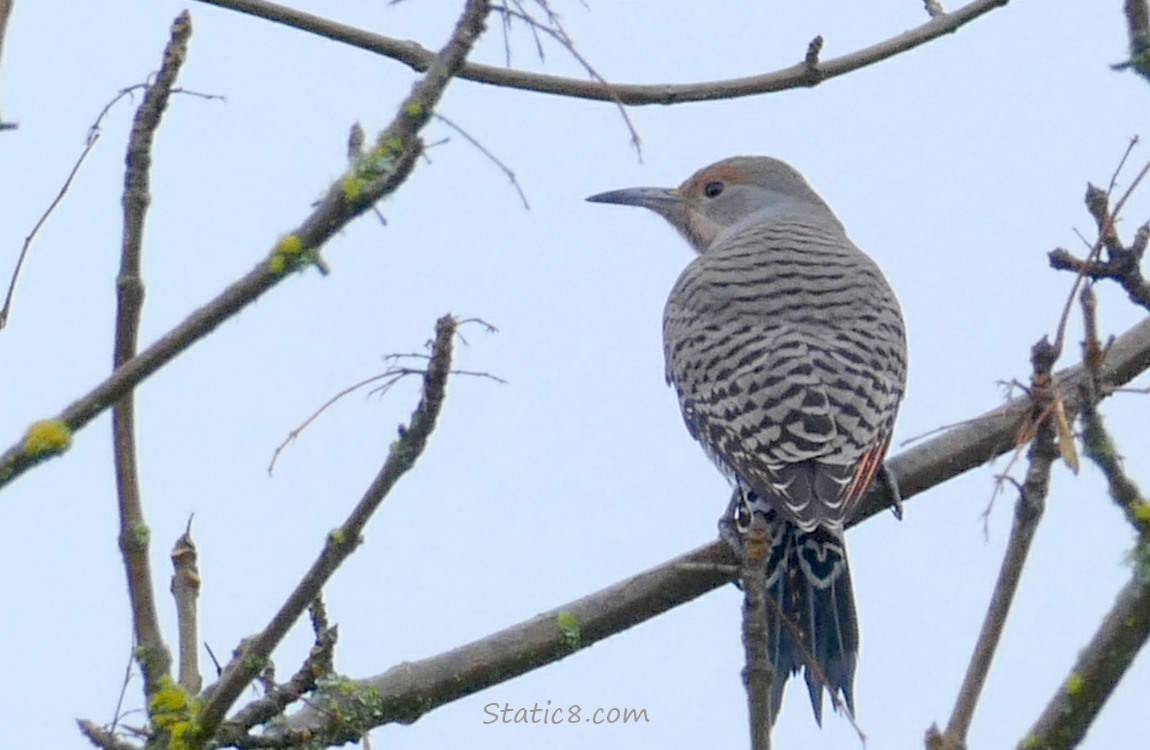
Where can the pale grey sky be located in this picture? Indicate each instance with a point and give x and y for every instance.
(957, 166)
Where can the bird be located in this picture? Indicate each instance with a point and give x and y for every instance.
(787, 349)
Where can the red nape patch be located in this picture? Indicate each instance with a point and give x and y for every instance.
(726, 173)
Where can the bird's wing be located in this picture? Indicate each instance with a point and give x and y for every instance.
(788, 403)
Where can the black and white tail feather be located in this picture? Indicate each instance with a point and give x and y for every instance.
(808, 579)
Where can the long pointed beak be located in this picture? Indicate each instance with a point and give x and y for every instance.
(656, 199)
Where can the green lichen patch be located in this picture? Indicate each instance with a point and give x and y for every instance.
(290, 254)
(173, 712)
(572, 631)
(48, 437)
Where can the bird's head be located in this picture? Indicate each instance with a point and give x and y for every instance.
(729, 193)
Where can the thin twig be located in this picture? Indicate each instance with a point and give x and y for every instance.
(317, 613)
(386, 379)
(118, 713)
(1130, 146)
(151, 651)
(554, 29)
(494, 159)
(796, 76)
(1028, 512)
(941, 429)
(341, 542)
(89, 144)
(1093, 353)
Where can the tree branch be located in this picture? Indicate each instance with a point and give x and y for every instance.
(255, 651)
(371, 177)
(151, 651)
(1122, 264)
(407, 691)
(275, 702)
(1027, 514)
(1125, 629)
(759, 672)
(102, 738)
(1099, 667)
(796, 76)
(978, 440)
(1123, 490)
(5, 12)
(186, 591)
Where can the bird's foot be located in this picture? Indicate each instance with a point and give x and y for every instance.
(732, 522)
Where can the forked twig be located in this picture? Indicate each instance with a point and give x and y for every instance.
(385, 381)
(341, 542)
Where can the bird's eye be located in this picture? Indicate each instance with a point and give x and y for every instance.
(713, 189)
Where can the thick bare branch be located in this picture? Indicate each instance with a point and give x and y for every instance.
(796, 76)
(409, 690)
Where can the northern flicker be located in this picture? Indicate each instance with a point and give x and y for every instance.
(786, 347)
